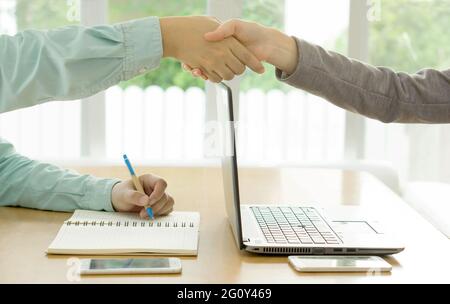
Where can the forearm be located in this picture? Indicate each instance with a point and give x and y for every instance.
(74, 62)
(375, 92)
(32, 184)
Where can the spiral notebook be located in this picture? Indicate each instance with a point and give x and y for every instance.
(114, 233)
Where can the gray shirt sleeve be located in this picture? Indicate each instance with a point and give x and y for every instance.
(375, 92)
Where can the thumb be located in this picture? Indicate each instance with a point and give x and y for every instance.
(224, 30)
(136, 198)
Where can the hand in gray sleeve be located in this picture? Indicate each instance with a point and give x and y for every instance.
(375, 92)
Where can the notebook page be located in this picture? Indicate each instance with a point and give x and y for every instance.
(125, 239)
(95, 232)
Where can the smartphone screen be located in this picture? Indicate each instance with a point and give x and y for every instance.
(128, 263)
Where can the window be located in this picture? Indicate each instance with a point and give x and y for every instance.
(159, 116)
(282, 124)
(120, 11)
(51, 130)
(407, 36)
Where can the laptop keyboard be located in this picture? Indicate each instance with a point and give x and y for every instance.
(294, 225)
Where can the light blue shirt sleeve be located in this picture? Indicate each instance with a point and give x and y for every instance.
(66, 64)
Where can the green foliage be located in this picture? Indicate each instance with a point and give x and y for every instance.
(47, 14)
(120, 10)
(170, 72)
(341, 43)
(411, 35)
(41, 14)
(269, 13)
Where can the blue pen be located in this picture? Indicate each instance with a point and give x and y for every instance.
(137, 184)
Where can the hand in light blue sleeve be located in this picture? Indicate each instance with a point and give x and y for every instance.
(65, 64)
(75, 61)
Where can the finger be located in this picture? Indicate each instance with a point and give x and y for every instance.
(160, 204)
(198, 72)
(223, 31)
(186, 67)
(213, 76)
(162, 200)
(236, 66)
(132, 197)
(246, 57)
(166, 210)
(168, 207)
(164, 206)
(154, 186)
(143, 214)
(210, 74)
(225, 72)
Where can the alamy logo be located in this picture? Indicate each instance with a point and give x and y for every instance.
(374, 10)
(73, 11)
(73, 273)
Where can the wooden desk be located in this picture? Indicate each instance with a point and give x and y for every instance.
(25, 234)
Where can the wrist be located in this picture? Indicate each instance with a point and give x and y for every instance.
(283, 52)
(168, 33)
(114, 196)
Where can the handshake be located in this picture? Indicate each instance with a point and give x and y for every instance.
(217, 52)
(214, 52)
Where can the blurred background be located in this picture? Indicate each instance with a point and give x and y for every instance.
(285, 126)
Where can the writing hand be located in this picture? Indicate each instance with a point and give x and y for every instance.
(125, 198)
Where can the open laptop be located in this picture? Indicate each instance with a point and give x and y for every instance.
(293, 229)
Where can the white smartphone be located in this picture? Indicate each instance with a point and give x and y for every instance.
(371, 264)
(130, 266)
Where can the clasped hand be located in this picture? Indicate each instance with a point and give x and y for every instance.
(266, 44)
(183, 39)
(216, 52)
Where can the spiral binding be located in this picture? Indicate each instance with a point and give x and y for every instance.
(129, 224)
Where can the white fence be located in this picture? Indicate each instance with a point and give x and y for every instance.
(155, 125)
(47, 131)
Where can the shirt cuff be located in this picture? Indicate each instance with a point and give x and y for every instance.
(303, 73)
(143, 45)
(98, 194)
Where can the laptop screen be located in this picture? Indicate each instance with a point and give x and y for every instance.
(226, 130)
